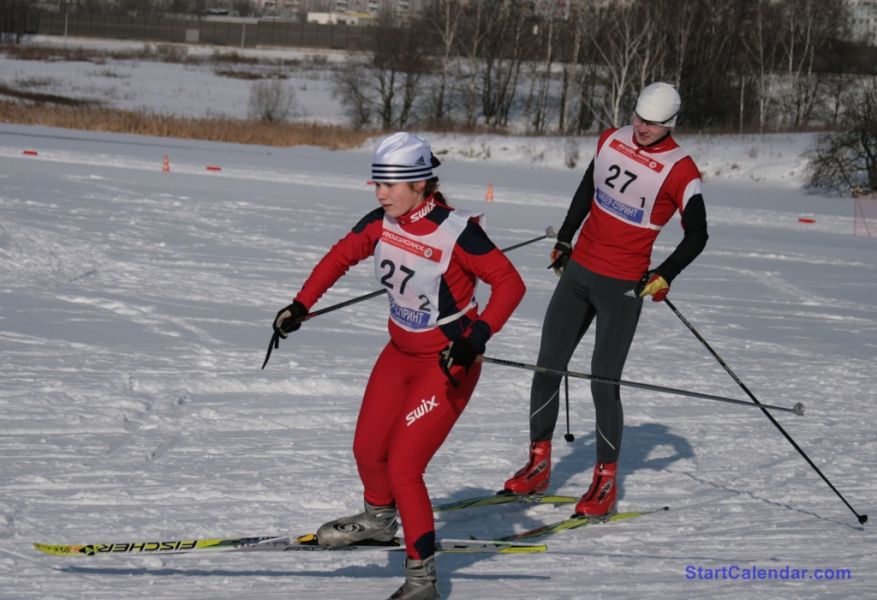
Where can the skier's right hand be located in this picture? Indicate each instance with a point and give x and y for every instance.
(288, 319)
(560, 256)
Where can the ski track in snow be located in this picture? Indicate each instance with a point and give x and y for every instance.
(136, 313)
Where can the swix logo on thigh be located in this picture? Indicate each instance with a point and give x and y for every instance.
(425, 407)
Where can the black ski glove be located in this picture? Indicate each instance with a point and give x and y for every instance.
(560, 256)
(289, 319)
(463, 350)
(459, 353)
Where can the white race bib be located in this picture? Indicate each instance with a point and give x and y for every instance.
(411, 268)
(627, 178)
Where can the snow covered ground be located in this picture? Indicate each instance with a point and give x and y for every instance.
(136, 310)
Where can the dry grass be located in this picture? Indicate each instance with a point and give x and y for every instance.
(5, 90)
(174, 53)
(217, 130)
(250, 75)
(53, 110)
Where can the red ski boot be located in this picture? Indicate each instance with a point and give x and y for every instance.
(599, 500)
(534, 476)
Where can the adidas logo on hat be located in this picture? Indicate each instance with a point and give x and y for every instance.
(403, 157)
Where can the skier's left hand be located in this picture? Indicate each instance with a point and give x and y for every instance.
(652, 284)
(461, 352)
(464, 350)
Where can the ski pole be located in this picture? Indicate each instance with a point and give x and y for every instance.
(569, 437)
(274, 343)
(862, 518)
(275, 339)
(797, 409)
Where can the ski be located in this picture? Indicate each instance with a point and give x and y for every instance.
(504, 498)
(574, 522)
(306, 543)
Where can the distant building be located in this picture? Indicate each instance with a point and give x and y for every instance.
(333, 18)
(372, 7)
(863, 21)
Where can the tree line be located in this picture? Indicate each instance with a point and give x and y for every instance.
(741, 65)
(503, 65)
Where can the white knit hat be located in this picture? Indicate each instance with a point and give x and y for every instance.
(403, 157)
(659, 103)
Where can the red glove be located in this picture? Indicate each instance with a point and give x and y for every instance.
(653, 285)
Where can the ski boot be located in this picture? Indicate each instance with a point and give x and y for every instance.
(376, 523)
(420, 581)
(534, 476)
(600, 498)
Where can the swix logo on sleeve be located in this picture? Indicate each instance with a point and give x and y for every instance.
(425, 407)
(632, 154)
(412, 246)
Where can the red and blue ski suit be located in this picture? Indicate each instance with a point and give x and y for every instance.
(409, 406)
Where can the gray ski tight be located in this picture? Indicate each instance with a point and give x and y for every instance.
(580, 297)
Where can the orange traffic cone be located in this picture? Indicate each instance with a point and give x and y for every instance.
(166, 164)
(488, 197)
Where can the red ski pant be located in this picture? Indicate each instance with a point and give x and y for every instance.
(408, 410)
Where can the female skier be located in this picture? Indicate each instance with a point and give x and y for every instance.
(429, 257)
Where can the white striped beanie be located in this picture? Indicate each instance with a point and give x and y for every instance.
(403, 157)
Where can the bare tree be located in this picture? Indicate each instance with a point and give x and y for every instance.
(271, 101)
(350, 84)
(588, 16)
(504, 49)
(656, 41)
(539, 115)
(385, 82)
(808, 26)
(14, 20)
(574, 38)
(846, 160)
(680, 21)
(444, 16)
(619, 47)
(398, 63)
(471, 50)
(761, 51)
